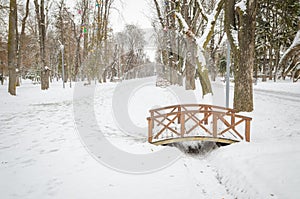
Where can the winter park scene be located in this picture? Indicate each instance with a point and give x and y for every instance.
(144, 99)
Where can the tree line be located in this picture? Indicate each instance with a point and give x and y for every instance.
(47, 40)
(192, 36)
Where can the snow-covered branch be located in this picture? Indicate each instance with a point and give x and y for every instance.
(182, 21)
(295, 43)
(292, 50)
(204, 39)
(202, 11)
(241, 6)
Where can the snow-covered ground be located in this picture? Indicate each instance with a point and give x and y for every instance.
(44, 151)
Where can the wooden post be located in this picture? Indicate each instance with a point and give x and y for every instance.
(149, 130)
(233, 120)
(215, 125)
(247, 130)
(182, 122)
(179, 113)
(205, 115)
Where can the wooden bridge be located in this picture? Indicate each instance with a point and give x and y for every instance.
(191, 122)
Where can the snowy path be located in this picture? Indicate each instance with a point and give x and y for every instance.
(41, 155)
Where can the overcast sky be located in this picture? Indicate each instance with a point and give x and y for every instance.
(131, 12)
(127, 12)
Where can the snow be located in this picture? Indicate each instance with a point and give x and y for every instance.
(185, 26)
(242, 6)
(295, 43)
(43, 154)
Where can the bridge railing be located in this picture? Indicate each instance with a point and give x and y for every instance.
(197, 121)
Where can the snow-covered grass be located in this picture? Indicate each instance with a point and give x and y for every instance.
(42, 154)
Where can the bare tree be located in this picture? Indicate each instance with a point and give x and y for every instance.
(40, 15)
(21, 39)
(12, 46)
(292, 54)
(198, 26)
(132, 42)
(4, 10)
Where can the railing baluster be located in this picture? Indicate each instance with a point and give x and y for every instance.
(215, 125)
(247, 130)
(205, 115)
(150, 133)
(233, 120)
(182, 123)
(179, 113)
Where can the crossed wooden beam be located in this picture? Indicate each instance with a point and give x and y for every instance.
(178, 115)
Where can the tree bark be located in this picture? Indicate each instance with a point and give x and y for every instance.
(21, 41)
(243, 90)
(40, 14)
(12, 46)
(243, 54)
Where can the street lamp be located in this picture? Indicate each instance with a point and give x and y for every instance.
(227, 74)
(62, 63)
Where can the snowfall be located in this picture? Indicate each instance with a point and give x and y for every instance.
(51, 144)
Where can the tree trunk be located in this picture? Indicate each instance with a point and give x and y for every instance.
(190, 67)
(243, 53)
(21, 43)
(243, 91)
(271, 63)
(212, 60)
(12, 46)
(264, 77)
(40, 14)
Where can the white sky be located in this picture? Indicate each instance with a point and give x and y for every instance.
(131, 12)
(128, 12)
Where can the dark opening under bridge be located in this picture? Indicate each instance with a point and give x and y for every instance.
(192, 122)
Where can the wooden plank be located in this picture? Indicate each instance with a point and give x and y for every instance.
(221, 117)
(164, 108)
(215, 125)
(179, 113)
(205, 129)
(231, 127)
(247, 129)
(165, 127)
(165, 117)
(182, 123)
(191, 129)
(205, 119)
(233, 120)
(207, 110)
(194, 138)
(149, 129)
(206, 115)
(192, 116)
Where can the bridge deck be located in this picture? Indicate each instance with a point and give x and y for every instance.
(193, 138)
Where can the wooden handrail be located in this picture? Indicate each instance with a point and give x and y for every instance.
(175, 122)
(192, 105)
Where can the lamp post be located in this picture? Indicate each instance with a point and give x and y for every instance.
(62, 63)
(227, 74)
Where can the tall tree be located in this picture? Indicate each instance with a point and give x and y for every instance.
(240, 23)
(292, 54)
(197, 25)
(21, 39)
(275, 28)
(12, 46)
(40, 15)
